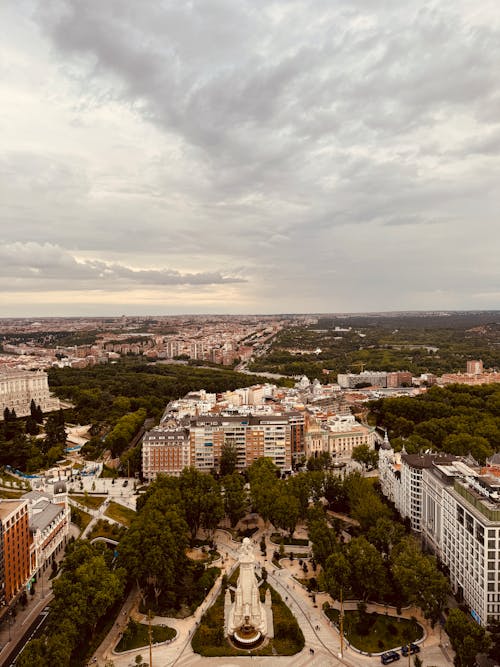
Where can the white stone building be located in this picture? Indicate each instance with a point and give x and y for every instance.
(18, 388)
(49, 521)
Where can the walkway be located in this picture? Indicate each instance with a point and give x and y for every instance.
(319, 634)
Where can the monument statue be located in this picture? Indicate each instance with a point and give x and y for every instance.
(246, 617)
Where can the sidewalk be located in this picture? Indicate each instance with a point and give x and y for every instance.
(13, 628)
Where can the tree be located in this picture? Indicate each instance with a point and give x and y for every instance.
(365, 455)
(420, 580)
(85, 593)
(337, 575)
(264, 486)
(385, 534)
(31, 427)
(323, 538)
(154, 549)
(321, 462)
(235, 497)
(201, 500)
(299, 486)
(466, 636)
(55, 433)
(369, 578)
(228, 458)
(285, 512)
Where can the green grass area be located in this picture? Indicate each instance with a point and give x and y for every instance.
(92, 502)
(80, 518)
(277, 538)
(11, 495)
(108, 473)
(209, 639)
(103, 528)
(374, 633)
(123, 515)
(136, 635)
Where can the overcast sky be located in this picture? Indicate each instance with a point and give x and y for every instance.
(239, 156)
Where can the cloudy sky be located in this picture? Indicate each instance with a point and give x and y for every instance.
(169, 156)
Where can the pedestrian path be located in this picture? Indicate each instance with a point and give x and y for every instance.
(322, 641)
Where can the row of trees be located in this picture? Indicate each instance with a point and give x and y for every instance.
(384, 564)
(153, 551)
(87, 589)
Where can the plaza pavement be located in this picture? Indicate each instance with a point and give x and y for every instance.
(322, 642)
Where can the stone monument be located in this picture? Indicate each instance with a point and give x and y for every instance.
(247, 620)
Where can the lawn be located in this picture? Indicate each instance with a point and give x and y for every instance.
(9, 495)
(123, 515)
(104, 528)
(374, 633)
(80, 518)
(92, 502)
(136, 635)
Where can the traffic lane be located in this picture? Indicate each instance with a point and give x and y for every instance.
(34, 631)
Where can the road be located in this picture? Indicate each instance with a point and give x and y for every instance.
(34, 630)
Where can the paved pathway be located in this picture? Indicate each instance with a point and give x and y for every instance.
(320, 636)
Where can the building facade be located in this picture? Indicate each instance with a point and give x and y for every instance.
(49, 521)
(17, 543)
(338, 436)
(200, 440)
(19, 388)
(455, 508)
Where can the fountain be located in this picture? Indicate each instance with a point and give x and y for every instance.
(247, 621)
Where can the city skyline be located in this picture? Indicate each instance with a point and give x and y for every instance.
(248, 157)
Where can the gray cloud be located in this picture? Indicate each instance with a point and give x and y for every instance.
(38, 266)
(273, 136)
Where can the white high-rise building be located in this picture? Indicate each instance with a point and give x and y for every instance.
(456, 509)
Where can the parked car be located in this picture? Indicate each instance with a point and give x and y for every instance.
(414, 648)
(390, 656)
(125, 483)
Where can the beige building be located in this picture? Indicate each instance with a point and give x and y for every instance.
(338, 436)
(18, 388)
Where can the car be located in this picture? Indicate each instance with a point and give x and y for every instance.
(125, 483)
(388, 657)
(414, 648)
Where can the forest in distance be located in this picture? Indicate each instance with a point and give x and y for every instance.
(416, 343)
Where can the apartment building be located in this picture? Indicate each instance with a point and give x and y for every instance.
(455, 507)
(165, 449)
(198, 441)
(16, 547)
(18, 388)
